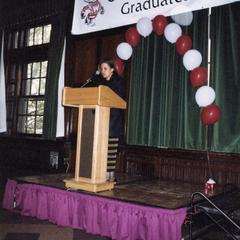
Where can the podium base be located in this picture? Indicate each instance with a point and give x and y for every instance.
(90, 187)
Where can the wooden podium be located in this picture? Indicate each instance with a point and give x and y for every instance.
(92, 139)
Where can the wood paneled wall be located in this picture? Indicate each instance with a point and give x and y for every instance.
(30, 157)
(180, 165)
(85, 51)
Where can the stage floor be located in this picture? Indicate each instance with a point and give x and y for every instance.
(137, 190)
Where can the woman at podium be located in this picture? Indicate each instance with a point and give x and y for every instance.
(109, 77)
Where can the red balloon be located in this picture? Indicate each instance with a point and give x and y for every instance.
(210, 114)
(159, 23)
(119, 66)
(183, 44)
(132, 36)
(198, 76)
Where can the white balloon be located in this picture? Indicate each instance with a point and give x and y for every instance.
(182, 15)
(144, 26)
(192, 59)
(205, 96)
(184, 19)
(172, 32)
(124, 50)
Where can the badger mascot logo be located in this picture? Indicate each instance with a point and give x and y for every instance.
(91, 11)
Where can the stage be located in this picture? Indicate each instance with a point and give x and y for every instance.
(136, 208)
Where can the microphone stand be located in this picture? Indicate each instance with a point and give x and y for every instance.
(92, 79)
(87, 82)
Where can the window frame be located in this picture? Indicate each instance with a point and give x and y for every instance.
(22, 56)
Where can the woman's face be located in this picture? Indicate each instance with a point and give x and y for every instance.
(106, 71)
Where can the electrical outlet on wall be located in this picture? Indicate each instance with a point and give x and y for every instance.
(53, 159)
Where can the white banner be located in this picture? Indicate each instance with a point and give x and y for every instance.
(96, 15)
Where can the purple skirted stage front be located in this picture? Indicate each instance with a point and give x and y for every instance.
(94, 214)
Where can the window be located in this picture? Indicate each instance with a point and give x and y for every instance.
(26, 52)
(31, 100)
(39, 35)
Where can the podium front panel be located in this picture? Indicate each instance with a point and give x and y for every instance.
(87, 137)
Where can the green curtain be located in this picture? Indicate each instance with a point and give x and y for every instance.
(162, 110)
(225, 76)
(54, 64)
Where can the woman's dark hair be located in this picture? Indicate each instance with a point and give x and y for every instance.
(109, 62)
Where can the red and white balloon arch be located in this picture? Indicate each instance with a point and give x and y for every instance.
(192, 58)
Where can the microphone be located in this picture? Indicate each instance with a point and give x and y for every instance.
(94, 78)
